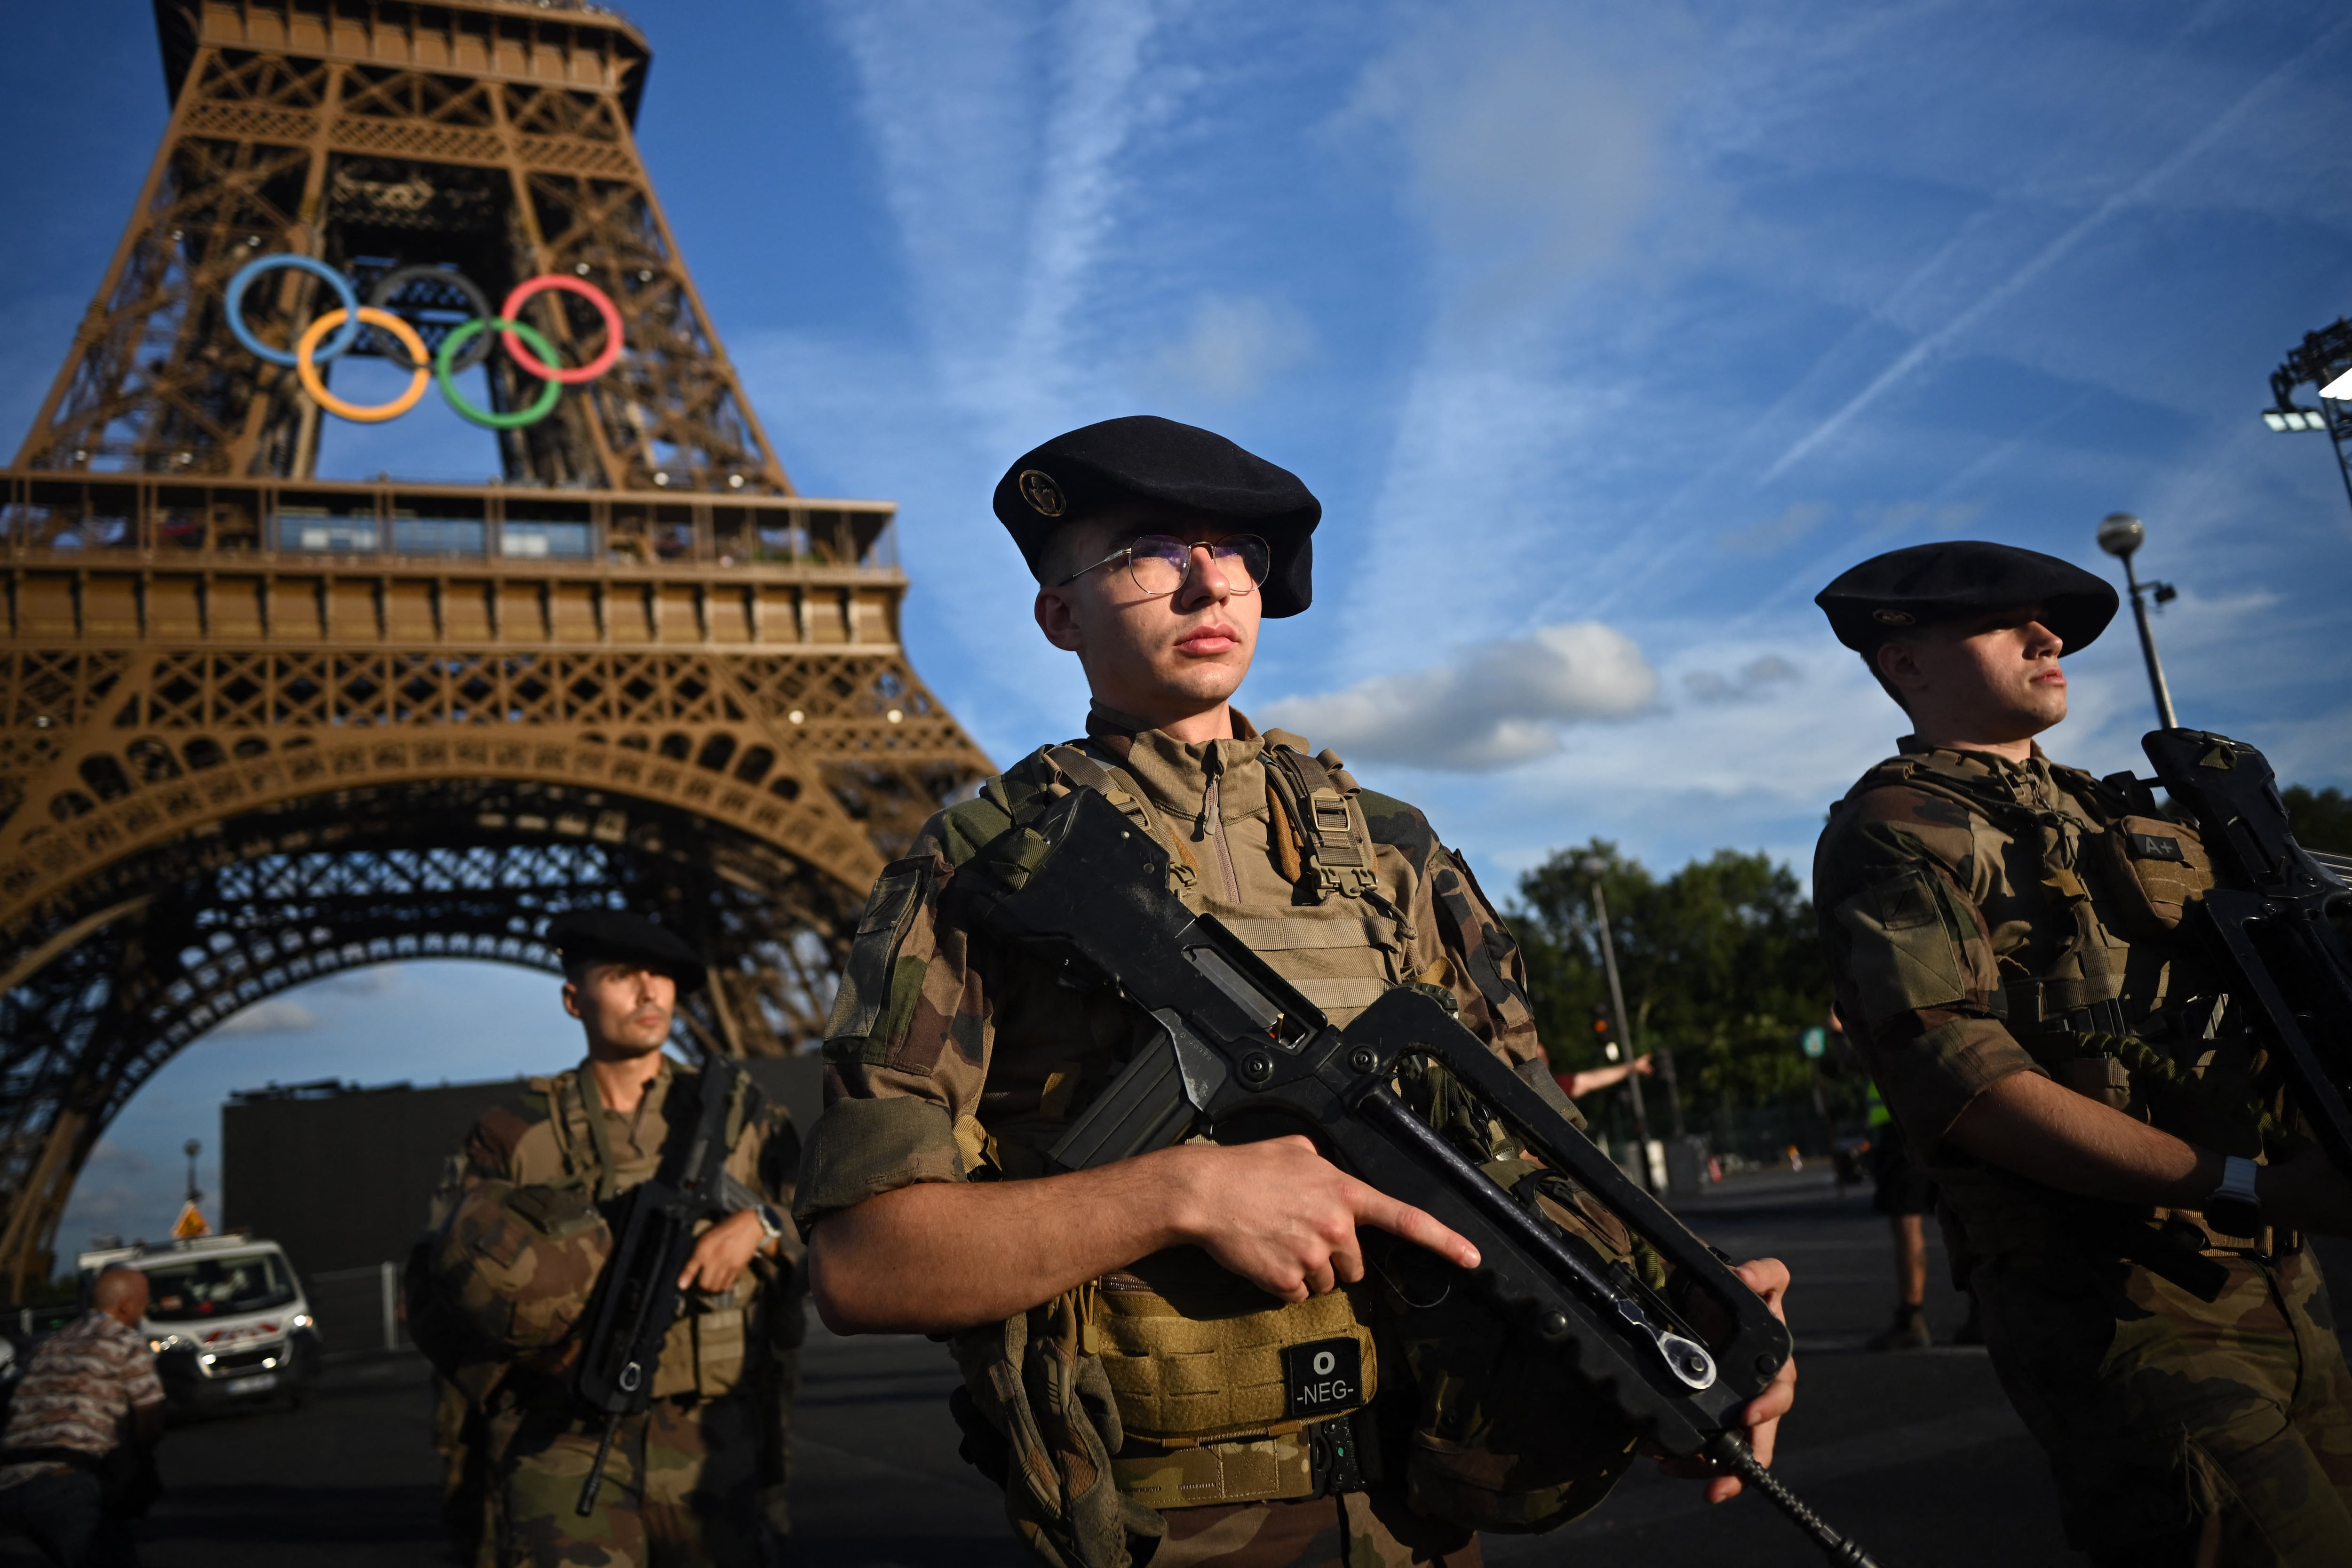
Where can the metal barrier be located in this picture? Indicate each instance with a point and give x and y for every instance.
(359, 1309)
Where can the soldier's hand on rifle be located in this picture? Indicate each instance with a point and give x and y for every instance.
(722, 1252)
(1769, 1277)
(1284, 1218)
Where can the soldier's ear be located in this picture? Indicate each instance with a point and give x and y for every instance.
(572, 999)
(1058, 619)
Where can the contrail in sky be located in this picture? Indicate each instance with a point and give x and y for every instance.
(1927, 348)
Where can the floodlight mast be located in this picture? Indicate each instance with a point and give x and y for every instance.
(2120, 534)
(2323, 359)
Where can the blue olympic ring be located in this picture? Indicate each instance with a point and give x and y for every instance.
(345, 335)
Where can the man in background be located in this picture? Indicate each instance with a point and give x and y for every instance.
(74, 1463)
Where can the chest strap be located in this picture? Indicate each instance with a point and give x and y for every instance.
(1318, 798)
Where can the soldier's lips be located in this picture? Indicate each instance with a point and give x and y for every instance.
(1204, 642)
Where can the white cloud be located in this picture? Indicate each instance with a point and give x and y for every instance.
(278, 1016)
(1235, 344)
(1498, 705)
(1752, 680)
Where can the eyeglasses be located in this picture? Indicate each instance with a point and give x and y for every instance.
(1160, 565)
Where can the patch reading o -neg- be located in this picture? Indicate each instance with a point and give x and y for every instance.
(1323, 1378)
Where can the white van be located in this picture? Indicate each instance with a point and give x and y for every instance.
(226, 1316)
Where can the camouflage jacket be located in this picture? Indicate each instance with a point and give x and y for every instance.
(1984, 918)
(948, 1056)
(542, 1142)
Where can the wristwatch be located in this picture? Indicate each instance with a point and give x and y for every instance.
(2234, 1209)
(772, 1223)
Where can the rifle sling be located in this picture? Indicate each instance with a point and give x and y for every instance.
(607, 1174)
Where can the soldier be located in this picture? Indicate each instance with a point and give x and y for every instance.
(2067, 1070)
(1121, 1330)
(700, 1477)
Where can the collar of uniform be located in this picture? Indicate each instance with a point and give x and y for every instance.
(2033, 782)
(656, 1092)
(1105, 722)
(1176, 776)
(1968, 759)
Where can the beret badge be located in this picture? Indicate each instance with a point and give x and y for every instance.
(1038, 489)
(1894, 618)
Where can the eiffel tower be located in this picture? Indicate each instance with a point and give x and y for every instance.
(258, 727)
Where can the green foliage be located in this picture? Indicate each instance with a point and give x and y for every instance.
(2321, 820)
(1721, 963)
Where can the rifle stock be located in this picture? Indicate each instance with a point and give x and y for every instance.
(1244, 1056)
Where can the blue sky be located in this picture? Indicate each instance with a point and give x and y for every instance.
(1607, 334)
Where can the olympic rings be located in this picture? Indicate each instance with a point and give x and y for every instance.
(335, 280)
(306, 366)
(586, 290)
(459, 351)
(445, 369)
(388, 287)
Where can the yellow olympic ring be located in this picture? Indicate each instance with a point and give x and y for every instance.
(308, 368)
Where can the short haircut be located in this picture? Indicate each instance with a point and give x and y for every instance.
(116, 1285)
(1079, 544)
(1870, 662)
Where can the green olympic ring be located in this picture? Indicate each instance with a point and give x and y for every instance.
(459, 336)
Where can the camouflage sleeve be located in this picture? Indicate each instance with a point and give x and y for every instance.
(1458, 940)
(907, 1044)
(1912, 957)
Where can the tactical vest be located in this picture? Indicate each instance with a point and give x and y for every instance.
(709, 1347)
(1207, 1376)
(2105, 1015)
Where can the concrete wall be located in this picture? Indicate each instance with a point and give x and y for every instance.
(340, 1179)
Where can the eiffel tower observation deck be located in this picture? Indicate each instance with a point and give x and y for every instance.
(261, 726)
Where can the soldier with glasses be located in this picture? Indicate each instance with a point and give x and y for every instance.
(1122, 1331)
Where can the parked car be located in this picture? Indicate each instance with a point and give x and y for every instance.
(226, 1317)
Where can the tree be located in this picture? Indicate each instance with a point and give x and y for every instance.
(2320, 821)
(1721, 963)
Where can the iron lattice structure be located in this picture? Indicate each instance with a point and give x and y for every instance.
(2323, 357)
(256, 727)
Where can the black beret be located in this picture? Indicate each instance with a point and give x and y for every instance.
(1925, 584)
(1143, 457)
(615, 936)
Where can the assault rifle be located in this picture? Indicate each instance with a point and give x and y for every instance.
(2267, 919)
(1242, 1055)
(639, 1297)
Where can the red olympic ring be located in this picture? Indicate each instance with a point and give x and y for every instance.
(523, 357)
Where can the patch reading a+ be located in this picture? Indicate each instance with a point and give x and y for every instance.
(1323, 1378)
(1038, 489)
(2150, 847)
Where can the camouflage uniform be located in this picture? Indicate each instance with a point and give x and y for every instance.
(950, 1058)
(1985, 917)
(699, 1477)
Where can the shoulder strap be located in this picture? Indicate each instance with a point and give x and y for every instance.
(593, 1103)
(1114, 785)
(1319, 799)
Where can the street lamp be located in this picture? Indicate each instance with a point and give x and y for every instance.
(2324, 360)
(1593, 866)
(2120, 534)
(192, 1149)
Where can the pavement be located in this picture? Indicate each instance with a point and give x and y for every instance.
(1915, 1454)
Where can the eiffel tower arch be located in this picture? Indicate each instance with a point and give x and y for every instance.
(258, 726)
